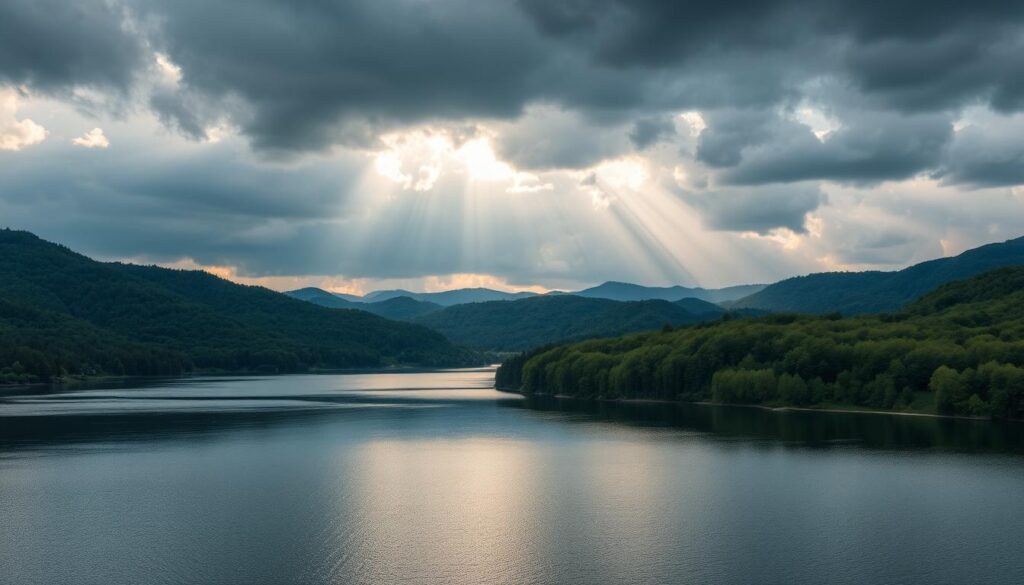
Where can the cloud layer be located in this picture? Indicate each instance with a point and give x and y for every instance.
(536, 141)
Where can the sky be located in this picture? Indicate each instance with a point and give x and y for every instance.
(532, 144)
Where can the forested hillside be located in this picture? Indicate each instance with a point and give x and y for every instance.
(63, 313)
(855, 293)
(958, 350)
(528, 323)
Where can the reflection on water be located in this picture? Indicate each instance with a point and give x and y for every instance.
(435, 477)
(800, 428)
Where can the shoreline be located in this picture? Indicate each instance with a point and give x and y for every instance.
(774, 409)
(104, 378)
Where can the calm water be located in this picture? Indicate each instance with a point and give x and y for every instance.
(436, 478)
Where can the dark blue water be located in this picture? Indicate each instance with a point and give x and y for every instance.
(437, 478)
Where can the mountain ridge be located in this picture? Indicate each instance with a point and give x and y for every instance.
(160, 320)
(876, 291)
(537, 321)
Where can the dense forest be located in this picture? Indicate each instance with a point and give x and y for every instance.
(854, 293)
(958, 350)
(528, 323)
(64, 314)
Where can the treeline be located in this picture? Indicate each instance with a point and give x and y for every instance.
(64, 314)
(959, 350)
(39, 345)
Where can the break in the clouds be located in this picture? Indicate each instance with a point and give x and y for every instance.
(544, 142)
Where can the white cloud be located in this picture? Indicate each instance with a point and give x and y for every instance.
(92, 139)
(695, 123)
(16, 134)
(169, 71)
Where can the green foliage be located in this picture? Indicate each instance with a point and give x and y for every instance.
(744, 386)
(64, 314)
(964, 344)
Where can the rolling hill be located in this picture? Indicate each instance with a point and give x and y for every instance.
(541, 320)
(397, 308)
(318, 296)
(66, 313)
(958, 350)
(613, 291)
(873, 292)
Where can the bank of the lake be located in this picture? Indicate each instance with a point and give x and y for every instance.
(830, 408)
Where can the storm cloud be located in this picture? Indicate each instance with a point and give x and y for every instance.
(751, 115)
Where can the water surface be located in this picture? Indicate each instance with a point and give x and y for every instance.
(434, 477)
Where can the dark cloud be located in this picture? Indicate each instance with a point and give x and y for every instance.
(757, 209)
(729, 132)
(54, 46)
(649, 131)
(986, 154)
(176, 110)
(868, 147)
(563, 83)
(912, 54)
(564, 17)
(548, 138)
(308, 76)
(305, 71)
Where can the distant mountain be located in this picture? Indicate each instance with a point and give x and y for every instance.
(537, 321)
(615, 291)
(348, 297)
(64, 313)
(449, 298)
(323, 298)
(624, 291)
(873, 292)
(398, 308)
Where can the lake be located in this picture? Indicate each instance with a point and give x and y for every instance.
(434, 477)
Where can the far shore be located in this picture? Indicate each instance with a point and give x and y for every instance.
(776, 409)
(108, 378)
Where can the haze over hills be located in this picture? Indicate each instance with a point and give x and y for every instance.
(450, 297)
(400, 308)
(442, 299)
(615, 291)
(874, 292)
(65, 313)
(541, 320)
(514, 325)
(624, 291)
